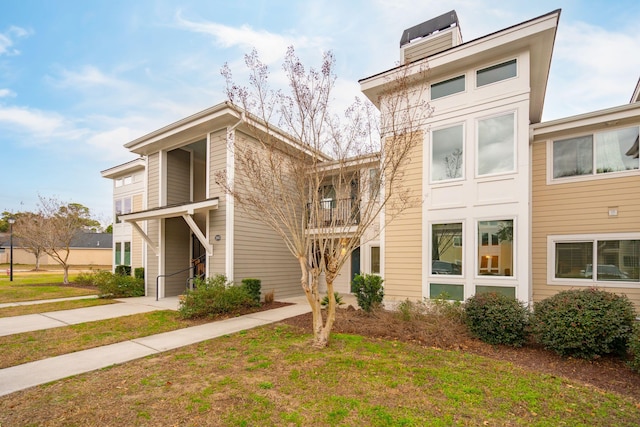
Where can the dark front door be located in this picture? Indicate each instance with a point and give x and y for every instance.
(355, 264)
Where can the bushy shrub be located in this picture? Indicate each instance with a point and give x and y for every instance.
(336, 296)
(123, 270)
(85, 278)
(138, 273)
(368, 290)
(117, 286)
(253, 287)
(634, 348)
(584, 323)
(496, 319)
(215, 296)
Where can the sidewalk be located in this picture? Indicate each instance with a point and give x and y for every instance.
(55, 368)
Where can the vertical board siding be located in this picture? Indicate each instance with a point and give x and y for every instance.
(403, 237)
(177, 239)
(178, 176)
(578, 208)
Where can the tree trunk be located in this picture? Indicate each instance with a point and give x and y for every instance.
(37, 254)
(65, 278)
(321, 337)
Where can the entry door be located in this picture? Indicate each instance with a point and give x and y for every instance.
(355, 264)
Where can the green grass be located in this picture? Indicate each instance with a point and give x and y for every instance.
(356, 381)
(36, 345)
(29, 286)
(22, 310)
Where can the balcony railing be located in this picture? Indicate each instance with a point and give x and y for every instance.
(333, 213)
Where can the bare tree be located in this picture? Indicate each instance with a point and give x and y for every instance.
(316, 189)
(29, 228)
(61, 224)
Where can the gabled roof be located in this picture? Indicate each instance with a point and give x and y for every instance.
(82, 240)
(537, 35)
(124, 168)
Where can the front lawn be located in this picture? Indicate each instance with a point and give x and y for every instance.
(270, 376)
(27, 286)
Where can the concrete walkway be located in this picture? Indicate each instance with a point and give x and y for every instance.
(55, 368)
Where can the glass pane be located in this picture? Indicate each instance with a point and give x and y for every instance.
(118, 257)
(496, 73)
(574, 260)
(618, 260)
(573, 156)
(508, 291)
(126, 205)
(496, 144)
(495, 259)
(375, 259)
(447, 87)
(118, 210)
(446, 255)
(127, 180)
(448, 292)
(617, 150)
(447, 160)
(127, 253)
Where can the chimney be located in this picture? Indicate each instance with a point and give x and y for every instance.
(430, 37)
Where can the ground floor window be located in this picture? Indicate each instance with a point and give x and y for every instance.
(375, 259)
(495, 248)
(447, 248)
(446, 291)
(591, 259)
(504, 290)
(122, 253)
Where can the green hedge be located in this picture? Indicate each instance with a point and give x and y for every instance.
(497, 319)
(634, 348)
(215, 296)
(584, 323)
(113, 285)
(253, 287)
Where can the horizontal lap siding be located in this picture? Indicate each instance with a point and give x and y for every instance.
(260, 252)
(578, 208)
(153, 201)
(136, 243)
(403, 239)
(217, 220)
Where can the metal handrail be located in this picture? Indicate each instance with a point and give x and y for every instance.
(201, 258)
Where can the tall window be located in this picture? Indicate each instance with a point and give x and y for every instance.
(601, 260)
(496, 73)
(375, 259)
(123, 207)
(496, 144)
(447, 155)
(447, 87)
(374, 183)
(446, 248)
(599, 153)
(495, 247)
(122, 254)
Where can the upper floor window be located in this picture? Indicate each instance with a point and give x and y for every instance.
(374, 183)
(447, 155)
(447, 87)
(124, 181)
(123, 207)
(496, 73)
(496, 144)
(603, 152)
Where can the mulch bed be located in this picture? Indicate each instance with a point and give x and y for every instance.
(606, 373)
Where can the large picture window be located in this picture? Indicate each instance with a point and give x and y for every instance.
(597, 260)
(447, 153)
(496, 144)
(446, 249)
(495, 248)
(599, 153)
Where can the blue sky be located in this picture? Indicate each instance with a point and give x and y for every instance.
(78, 79)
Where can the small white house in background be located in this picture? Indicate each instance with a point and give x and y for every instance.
(128, 196)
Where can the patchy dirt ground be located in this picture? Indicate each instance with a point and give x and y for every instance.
(608, 373)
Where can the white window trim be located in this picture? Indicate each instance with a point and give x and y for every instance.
(475, 72)
(515, 144)
(514, 256)
(446, 278)
(568, 238)
(366, 262)
(464, 153)
(593, 175)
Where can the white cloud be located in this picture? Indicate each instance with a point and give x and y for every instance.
(110, 143)
(270, 46)
(86, 77)
(7, 40)
(34, 122)
(7, 93)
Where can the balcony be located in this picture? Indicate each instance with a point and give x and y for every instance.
(333, 213)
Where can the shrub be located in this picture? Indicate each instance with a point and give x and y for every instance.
(634, 348)
(496, 319)
(369, 291)
(215, 296)
(138, 273)
(584, 323)
(117, 286)
(123, 270)
(253, 287)
(336, 296)
(269, 297)
(85, 278)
